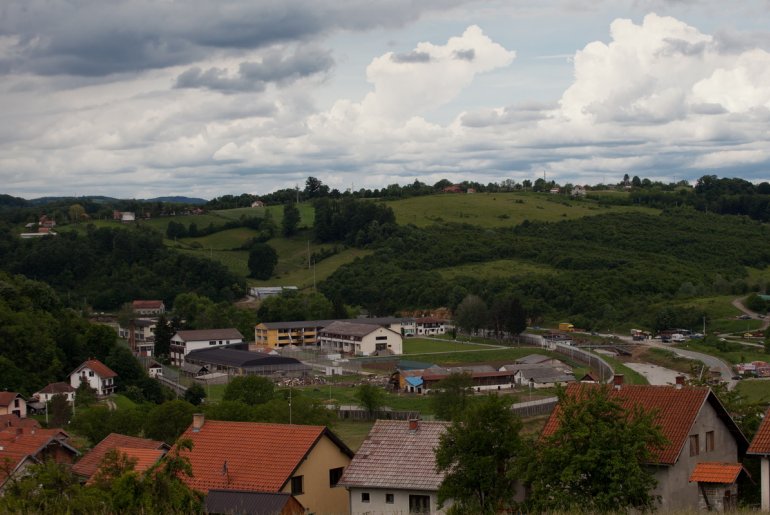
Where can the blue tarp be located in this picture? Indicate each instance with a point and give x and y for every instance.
(414, 381)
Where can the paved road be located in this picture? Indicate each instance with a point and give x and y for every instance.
(738, 303)
(714, 363)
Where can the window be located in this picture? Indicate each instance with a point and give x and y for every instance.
(709, 441)
(296, 485)
(389, 499)
(335, 475)
(364, 496)
(90, 373)
(419, 504)
(381, 338)
(694, 445)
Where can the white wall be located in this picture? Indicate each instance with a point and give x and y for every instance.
(378, 506)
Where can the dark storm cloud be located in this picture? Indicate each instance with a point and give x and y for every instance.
(465, 55)
(96, 38)
(254, 76)
(411, 57)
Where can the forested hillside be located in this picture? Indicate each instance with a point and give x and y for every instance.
(603, 270)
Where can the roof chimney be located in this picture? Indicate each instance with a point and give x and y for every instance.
(414, 425)
(617, 381)
(198, 420)
(679, 382)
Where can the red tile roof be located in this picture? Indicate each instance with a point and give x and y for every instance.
(676, 410)
(14, 421)
(55, 388)
(16, 443)
(6, 398)
(392, 456)
(761, 442)
(147, 304)
(715, 472)
(89, 464)
(98, 367)
(248, 455)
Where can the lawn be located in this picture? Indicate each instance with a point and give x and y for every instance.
(497, 209)
(736, 353)
(629, 376)
(755, 390)
(422, 345)
(353, 432)
(494, 269)
(123, 402)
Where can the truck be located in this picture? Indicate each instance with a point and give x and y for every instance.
(566, 327)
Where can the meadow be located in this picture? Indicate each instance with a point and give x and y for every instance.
(498, 209)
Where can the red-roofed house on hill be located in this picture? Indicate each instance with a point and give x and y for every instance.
(696, 425)
(12, 403)
(98, 376)
(89, 464)
(394, 471)
(47, 393)
(148, 307)
(760, 446)
(304, 461)
(22, 447)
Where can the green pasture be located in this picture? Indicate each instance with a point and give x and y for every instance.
(237, 261)
(497, 209)
(292, 266)
(224, 240)
(422, 345)
(754, 390)
(629, 376)
(494, 269)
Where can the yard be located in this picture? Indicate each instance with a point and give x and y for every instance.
(424, 345)
(755, 390)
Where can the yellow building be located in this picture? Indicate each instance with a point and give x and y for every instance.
(275, 335)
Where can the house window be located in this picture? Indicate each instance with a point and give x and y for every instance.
(212, 342)
(381, 338)
(694, 445)
(90, 373)
(296, 485)
(709, 441)
(335, 475)
(364, 496)
(419, 504)
(389, 499)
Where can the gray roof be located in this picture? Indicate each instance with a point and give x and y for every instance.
(349, 329)
(392, 456)
(55, 388)
(229, 333)
(524, 367)
(240, 358)
(469, 369)
(238, 502)
(191, 368)
(547, 375)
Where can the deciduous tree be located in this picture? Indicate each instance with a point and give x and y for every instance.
(290, 219)
(452, 396)
(262, 261)
(370, 397)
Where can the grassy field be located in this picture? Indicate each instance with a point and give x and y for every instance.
(755, 390)
(629, 376)
(123, 402)
(353, 432)
(422, 345)
(736, 354)
(497, 268)
(497, 209)
(667, 359)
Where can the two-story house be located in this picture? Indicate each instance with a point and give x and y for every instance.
(96, 374)
(184, 342)
(12, 403)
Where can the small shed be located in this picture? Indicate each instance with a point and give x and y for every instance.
(718, 485)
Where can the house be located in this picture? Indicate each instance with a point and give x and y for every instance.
(303, 461)
(155, 370)
(483, 378)
(21, 447)
(12, 403)
(454, 188)
(257, 203)
(140, 334)
(184, 342)
(89, 464)
(695, 424)
(7, 421)
(542, 377)
(47, 393)
(127, 217)
(148, 307)
(394, 471)
(760, 446)
(554, 191)
(242, 362)
(360, 339)
(263, 292)
(48, 223)
(96, 374)
(428, 326)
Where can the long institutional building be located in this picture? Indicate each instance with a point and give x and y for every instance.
(361, 336)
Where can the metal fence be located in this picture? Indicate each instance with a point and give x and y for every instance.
(535, 408)
(592, 361)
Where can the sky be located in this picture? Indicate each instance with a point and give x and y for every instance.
(146, 98)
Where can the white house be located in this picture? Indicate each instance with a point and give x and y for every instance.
(184, 342)
(360, 339)
(47, 393)
(394, 471)
(148, 307)
(430, 326)
(96, 374)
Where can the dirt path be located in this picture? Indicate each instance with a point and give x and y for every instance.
(738, 303)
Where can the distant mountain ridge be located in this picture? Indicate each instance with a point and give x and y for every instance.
(104, 200)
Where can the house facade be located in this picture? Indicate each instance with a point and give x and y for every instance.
(275, 335)
(47, 393)
(96, 374)
(360, 339)
(148, 307)
(394, 471)
(696, 425)
(427, 326)
(306, 462)
(760, 446)
(184, 342)
(12, 403)
(21, 447)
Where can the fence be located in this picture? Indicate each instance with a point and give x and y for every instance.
(535, 408)
(362, 414)
(592, 361)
